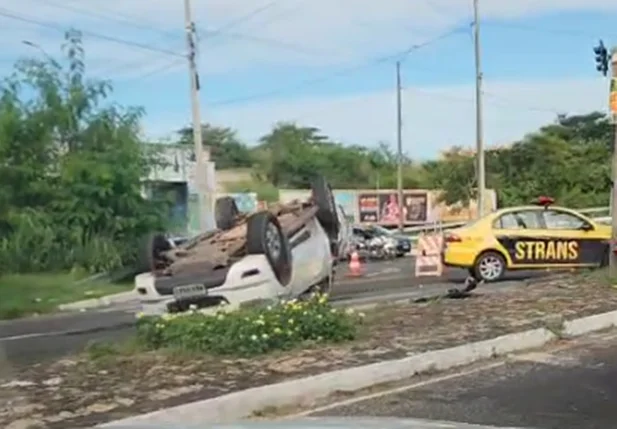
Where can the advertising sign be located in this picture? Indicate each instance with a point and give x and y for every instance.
(384, 207)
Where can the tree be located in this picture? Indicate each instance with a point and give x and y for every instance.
(71, 166)
(227, 150)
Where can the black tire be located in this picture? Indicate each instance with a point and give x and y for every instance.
(327, 214)
(226, 212)
(150, 254)
(606, 256)
(261, 239)
(493, 258)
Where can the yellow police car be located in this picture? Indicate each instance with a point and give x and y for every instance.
(531, 237)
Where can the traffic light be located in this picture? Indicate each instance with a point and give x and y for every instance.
(601, 58)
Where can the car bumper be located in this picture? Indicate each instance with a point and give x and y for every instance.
(238, 290)
(458, 258)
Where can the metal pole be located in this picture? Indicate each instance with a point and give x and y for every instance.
(201, 153)
(613, 256)
(480, 171)
(399, 143)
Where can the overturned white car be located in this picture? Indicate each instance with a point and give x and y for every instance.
(286, 251)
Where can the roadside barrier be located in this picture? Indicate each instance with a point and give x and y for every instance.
(355, 266)
(428, 259)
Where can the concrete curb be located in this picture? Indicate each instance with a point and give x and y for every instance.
(104, 301)
(238, 405)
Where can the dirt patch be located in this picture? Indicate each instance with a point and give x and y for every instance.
(80, 392)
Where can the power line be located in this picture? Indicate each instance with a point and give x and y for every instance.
(116, 17)
(270, 42)
(556, 31)
(400, 55)
(243, 18)
(10, 15)
(493, 99)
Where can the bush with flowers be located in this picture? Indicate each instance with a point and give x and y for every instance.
(253, 331)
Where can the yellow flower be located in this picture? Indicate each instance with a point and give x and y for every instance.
(361, 315)
(264, 336)
(259, 322)
(350, 311)
(323, 299)
(289, 333)
(334, 311)
(277, 330)
(160, 326)
(220, 316)
(254, 337)
(140, 315)
(290, 321)
(320, 338)
(319, 317)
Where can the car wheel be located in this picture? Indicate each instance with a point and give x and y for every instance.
(150, 256)
(327, 214)
(489, 267)
(226, 212)
(264, 236)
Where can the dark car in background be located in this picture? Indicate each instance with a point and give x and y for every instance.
(367, 232)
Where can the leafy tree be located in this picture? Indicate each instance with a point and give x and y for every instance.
(226, 149)
(71, 166)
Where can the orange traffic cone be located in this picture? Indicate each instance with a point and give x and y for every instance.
(355, 267)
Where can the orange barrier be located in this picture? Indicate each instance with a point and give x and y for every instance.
(355, 266)
(428, 259)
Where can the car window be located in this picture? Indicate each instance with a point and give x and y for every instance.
(523, 219)
(555, 219)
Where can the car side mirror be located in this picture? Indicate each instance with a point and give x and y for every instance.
(587, 227)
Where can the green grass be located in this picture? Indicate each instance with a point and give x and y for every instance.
(24, 295)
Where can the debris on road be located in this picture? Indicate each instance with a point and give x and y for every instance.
(119, 383)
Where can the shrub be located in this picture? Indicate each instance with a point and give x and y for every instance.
(251, 331)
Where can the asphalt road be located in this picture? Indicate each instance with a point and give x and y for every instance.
(35, 339)
(571, 387)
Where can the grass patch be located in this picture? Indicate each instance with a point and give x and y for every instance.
(30, 294)
(250, 331)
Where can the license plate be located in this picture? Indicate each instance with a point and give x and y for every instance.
(191, 291)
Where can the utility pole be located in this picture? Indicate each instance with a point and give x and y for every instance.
(613, 112)
(480, 169)
(399, 147)
(202, 155)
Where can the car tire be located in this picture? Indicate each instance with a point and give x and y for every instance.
(264, 236)
(489, 267)
(150, 253)
(327, 214)
(226, 211)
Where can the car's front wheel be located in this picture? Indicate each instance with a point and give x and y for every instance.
(489, 267)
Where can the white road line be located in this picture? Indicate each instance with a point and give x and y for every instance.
(395, 390)
(539, 357)
(34, 335)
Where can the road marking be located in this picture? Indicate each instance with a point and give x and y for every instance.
(395, 390)
(26, 336)
(545, 359)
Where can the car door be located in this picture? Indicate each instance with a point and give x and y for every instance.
(516, 231)
(573, 239)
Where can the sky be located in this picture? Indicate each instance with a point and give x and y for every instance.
(331, 63)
